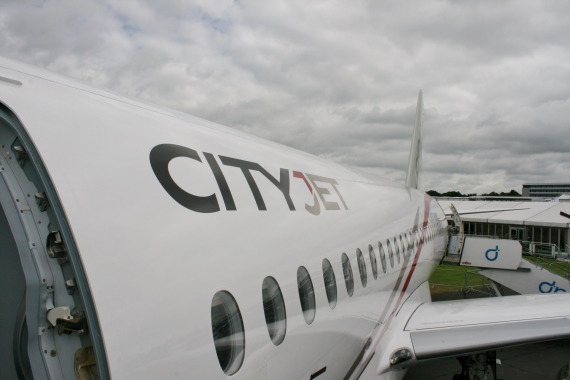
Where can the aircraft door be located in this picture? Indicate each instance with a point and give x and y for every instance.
(41, 275)
(457, 232)
(14, 362)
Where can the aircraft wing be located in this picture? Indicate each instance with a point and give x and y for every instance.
(432, 330)
(454, 328)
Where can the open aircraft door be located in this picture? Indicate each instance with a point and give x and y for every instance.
(457, 234)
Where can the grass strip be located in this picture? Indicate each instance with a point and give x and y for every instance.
(559, 267)
(453, 278)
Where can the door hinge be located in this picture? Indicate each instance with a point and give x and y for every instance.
(65, 322)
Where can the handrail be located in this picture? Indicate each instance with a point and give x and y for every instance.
(556, 266)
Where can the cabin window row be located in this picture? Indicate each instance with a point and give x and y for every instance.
(227, 324)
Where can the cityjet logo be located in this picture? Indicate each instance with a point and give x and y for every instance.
(161, 155)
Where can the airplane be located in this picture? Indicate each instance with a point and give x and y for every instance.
(139, 242)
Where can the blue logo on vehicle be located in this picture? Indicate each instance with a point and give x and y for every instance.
(492, 254)
(547, 287)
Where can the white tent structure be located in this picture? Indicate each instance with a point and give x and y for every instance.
(539, 222)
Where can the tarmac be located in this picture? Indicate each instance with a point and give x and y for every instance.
(539, 361)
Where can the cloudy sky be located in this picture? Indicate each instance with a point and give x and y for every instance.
(338, 79)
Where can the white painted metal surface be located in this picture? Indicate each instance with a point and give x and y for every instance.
(458, 313)
(537, 280)
(414, 161)
(144, 252)
(491, 253)
(467, 326)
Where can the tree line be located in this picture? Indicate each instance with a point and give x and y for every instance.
(455, 193)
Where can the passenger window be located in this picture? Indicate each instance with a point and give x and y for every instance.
(390, 253)
(227, 329)
(410, 243)
(330, 283)
(361, 267)
(274, 309)
(382, 256)
(306, 294)
(397, 249)
(348, 276)
(403, 245)
(373, 262)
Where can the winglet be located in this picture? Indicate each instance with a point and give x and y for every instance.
(414, 163)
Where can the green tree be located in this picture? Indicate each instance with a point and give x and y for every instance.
(453, 193)
(511, 193)
(433, 193)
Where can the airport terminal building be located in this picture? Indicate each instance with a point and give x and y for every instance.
(540, 225)
(545, 190)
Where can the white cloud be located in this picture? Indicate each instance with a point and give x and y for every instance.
(337, 79)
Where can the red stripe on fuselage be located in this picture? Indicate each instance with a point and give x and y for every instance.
(413, 268)
(302, 176)
(376, 342)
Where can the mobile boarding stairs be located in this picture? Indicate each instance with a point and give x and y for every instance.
(502, 262)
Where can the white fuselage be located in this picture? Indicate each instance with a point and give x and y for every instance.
(154, 265)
